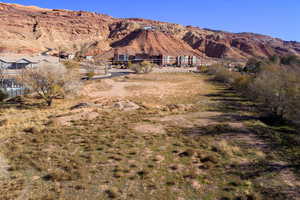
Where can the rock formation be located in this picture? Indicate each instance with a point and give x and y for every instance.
(36, 30)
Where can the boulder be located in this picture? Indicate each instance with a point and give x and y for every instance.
(83, 105)
(126, 106)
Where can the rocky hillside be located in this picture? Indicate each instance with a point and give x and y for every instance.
(32, 30)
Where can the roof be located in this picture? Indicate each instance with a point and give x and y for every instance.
(23, 60)
(19, 58)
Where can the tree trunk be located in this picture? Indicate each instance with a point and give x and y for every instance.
(49, 102)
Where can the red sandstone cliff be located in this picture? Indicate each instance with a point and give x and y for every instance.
(31, 30)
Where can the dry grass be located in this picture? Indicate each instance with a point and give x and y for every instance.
(126, 155)
(164, 89)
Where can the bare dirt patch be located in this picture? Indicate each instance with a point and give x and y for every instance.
(149, 128)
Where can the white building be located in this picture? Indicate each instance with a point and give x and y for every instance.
(15, 62)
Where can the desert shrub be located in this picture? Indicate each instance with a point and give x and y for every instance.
(90, 75)
(275, 60)
(202, 69)
(51, 81)
(3, 95)
(129, 65)
(242, 83)
(279, 91)
(290, 60)
(71, 64)
(276, 87)
(256, 65)
(222, 74)
(142, 68)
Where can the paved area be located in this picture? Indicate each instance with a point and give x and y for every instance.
(174, 69)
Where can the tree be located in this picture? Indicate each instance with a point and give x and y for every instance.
(71, 64)
(2, 76)
(275, 60)
(279, 90)
(142, 68)
(90, 68)
(290, 60)
(3, 94)
(51, 81)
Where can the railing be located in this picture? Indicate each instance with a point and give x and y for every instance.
(12, 89)
(13, 92)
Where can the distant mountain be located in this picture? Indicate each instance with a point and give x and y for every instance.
(35, 30)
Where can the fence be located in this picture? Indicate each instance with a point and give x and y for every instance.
(13, 92)
(12, 88)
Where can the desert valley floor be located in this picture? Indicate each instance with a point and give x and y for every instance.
(154, 136)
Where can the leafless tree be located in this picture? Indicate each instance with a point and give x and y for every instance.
(279, 90)
(142, 68)
(3, 75)
(51, 81)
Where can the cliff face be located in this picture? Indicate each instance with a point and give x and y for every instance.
(31, 30)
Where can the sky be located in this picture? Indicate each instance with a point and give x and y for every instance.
(277, 18)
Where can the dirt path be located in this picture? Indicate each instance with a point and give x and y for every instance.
(235, 131)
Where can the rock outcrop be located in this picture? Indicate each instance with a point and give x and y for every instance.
(36, 30)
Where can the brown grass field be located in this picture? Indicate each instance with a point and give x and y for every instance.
(189, 139)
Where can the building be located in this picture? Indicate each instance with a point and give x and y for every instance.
(149, 28)
(89, 57)
(162, 60)
(6, 63)
(16, 62)
(66, 56)
(182, 61)
(193, 60)
(166, 60)
(121, 58)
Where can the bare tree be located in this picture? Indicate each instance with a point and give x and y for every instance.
(51, 81)
(144, 67)
(279, 90)
(90, 68)
(2, 75)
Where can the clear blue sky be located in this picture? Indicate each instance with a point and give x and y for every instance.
(278, 18)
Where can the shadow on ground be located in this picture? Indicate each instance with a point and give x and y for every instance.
(280, 144)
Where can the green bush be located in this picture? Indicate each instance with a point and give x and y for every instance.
(90, 75)
(202, 69)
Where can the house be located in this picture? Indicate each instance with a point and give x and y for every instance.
(89, 57)
(121, 58)
(71, 56)
(149, 28)
(16, 62)
(67, 56)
